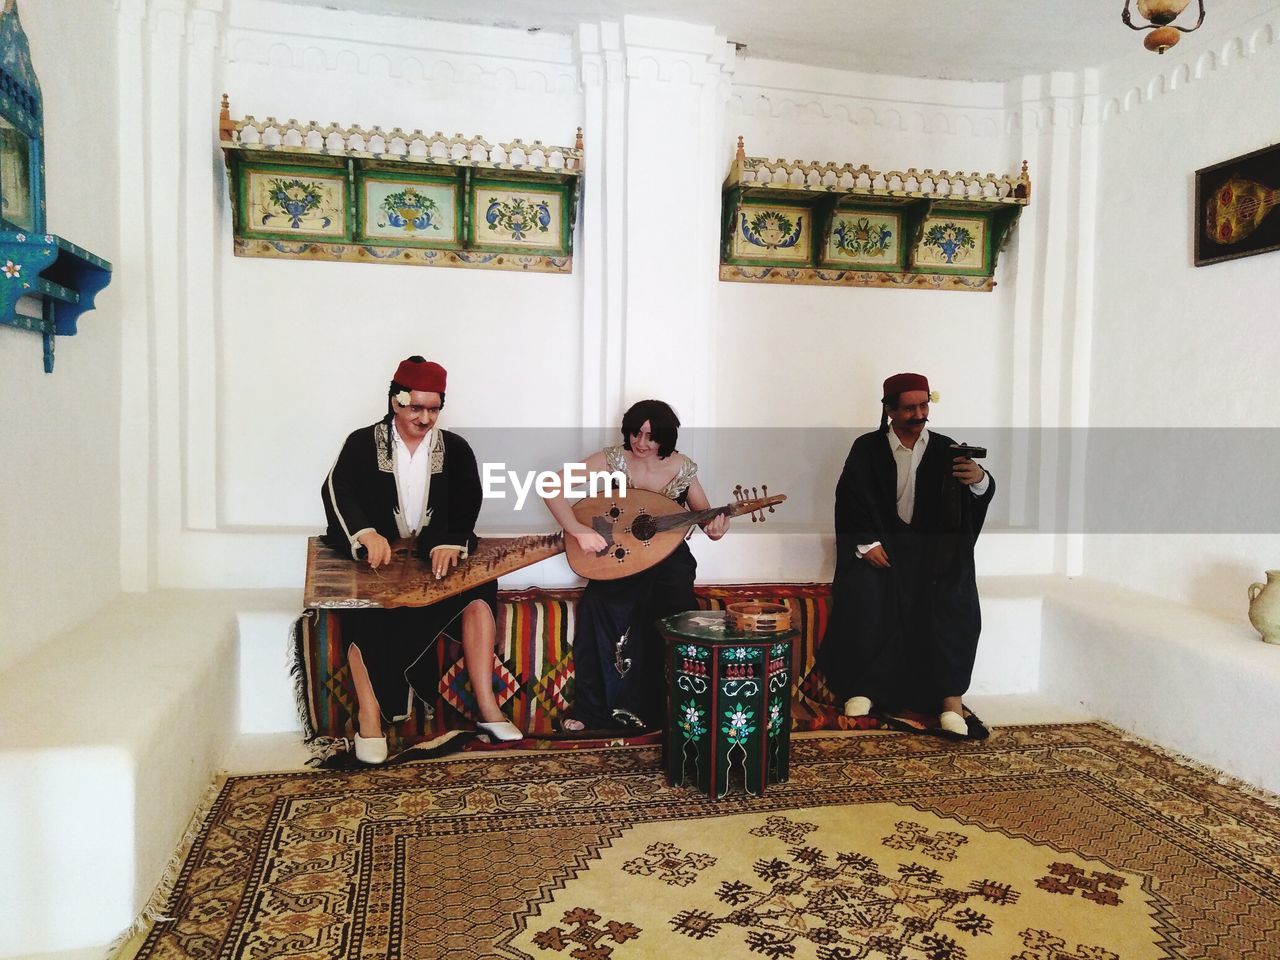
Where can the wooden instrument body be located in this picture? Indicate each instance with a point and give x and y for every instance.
(334, 580)
(640, 530)
(628, 525)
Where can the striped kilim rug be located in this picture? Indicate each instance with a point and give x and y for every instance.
(1065, 842)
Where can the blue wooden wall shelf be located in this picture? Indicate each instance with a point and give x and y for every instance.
(57, 279)
(46, 282)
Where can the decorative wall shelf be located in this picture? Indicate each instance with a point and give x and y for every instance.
(302, 191)
(46, 282)
(840, 225)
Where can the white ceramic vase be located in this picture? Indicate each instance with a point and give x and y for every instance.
(1264, 607)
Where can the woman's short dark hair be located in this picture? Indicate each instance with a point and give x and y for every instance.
(664, 425)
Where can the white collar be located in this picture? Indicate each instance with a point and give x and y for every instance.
(399, 440)
(895, 441)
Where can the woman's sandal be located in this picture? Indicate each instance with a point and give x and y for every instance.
(570, 725)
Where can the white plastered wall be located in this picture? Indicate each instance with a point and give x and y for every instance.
(231, 381)
(1175, 345)
(59, 433)
(257, 369)
(242, 375)
(806, 358)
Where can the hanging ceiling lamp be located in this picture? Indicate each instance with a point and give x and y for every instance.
(1161, 13)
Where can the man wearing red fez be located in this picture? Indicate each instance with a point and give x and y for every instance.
(405, 477)
(904, 625)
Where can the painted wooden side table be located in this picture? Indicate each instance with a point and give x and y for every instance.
(728, 704)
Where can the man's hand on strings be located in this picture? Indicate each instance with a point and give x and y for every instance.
(377, 547)
(444, 559)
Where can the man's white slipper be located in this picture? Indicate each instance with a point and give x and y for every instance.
(371, 749)
(952, 722)
(501, 730)
(857, 707)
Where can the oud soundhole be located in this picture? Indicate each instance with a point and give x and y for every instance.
(619, 554)
(643, 527)
(615, 513)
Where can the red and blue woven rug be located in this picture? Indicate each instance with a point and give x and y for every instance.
(1068, 842)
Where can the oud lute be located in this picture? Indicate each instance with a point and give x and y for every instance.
(1237, 208)
(643, 528)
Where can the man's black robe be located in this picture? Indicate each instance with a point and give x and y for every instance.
(360, 492)
(907, 635)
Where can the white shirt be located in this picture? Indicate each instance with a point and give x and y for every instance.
(413, 480)
(907, 460)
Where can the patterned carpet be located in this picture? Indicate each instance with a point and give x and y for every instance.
(1061, 842)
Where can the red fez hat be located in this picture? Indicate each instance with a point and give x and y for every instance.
(421, 375)
(905, 383)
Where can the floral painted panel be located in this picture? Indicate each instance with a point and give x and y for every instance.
(953, 242)
(523, 218)
(772, 233)
(15, 176)
(410, 210)
(304, 204)
(873, 239)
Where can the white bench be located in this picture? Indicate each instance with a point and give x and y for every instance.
(1202, 685)
(123, 721)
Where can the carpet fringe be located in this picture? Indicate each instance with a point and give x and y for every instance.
(298, 674)
(156, 908)
(324, 748)
(320, 747)
(1216, 774)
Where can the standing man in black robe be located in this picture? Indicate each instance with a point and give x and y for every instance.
(904, 625)
(406, 477)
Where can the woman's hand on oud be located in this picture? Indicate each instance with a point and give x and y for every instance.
(589, 540)
(716, 528)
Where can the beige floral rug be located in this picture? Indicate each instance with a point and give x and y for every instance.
(1065, 842)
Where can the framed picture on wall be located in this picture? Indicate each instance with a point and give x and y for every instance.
(1235, 211)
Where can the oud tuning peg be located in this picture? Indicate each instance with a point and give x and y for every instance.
(737, 492)
(754, 494)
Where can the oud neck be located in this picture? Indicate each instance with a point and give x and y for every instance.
(673, 520)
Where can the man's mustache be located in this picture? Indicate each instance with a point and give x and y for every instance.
(918, 421)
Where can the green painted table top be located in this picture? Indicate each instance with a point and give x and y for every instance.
(708, 626)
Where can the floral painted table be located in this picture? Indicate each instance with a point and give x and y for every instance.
(729, 704)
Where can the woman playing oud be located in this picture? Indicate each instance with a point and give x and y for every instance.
(617, 650)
